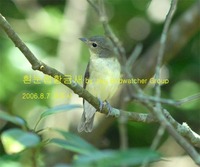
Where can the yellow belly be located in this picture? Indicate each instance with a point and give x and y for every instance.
(104, 77)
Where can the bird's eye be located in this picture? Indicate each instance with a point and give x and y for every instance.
(94, 45)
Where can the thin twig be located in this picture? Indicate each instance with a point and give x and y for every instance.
(171, 102)
(163, 40)
(188, 99)
(94, 6)
(134, 55)
(157, 139)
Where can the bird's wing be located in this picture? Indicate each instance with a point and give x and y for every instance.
(86, 77)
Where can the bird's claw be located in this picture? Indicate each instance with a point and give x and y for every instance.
(100, 104)
(109, 108)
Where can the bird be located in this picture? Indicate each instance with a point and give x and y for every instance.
(103, 68)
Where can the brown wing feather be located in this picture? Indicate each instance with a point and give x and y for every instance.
(86, 77)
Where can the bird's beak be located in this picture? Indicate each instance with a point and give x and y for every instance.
(84, 40)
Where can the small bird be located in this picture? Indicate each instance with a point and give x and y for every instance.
(103, 68)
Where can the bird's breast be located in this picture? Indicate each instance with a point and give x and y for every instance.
(104, 77)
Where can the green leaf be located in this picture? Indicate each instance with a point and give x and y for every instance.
(16, 140)
(60, 108)
(109, 158)
(73, 142)
(14, 119)
(56, 110)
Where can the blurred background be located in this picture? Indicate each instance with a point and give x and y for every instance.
(51, 28)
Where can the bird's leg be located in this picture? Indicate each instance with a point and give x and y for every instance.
(100, 104)
(109, 108)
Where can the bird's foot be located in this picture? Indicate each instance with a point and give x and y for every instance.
(109, 108)
(100, 104)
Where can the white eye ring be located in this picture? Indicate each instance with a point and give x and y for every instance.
(94, 45)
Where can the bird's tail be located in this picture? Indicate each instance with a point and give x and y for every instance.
(87, 118)
(85, 125)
